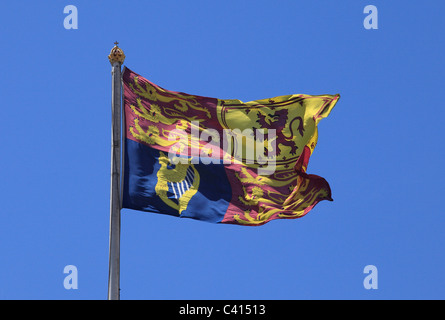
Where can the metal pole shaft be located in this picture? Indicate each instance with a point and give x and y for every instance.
(115, 206)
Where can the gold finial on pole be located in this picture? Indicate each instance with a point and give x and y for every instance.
(116, 54)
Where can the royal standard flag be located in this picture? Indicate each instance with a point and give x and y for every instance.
(221, 161)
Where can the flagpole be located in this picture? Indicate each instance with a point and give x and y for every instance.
(116, 58)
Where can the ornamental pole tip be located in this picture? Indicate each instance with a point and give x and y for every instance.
(116, 54)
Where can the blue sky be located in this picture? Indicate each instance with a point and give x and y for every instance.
(381, 149)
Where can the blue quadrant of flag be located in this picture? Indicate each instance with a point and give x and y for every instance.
(141, 181)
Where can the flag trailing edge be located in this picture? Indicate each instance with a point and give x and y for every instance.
(220, 161)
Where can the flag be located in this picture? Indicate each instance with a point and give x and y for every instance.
(220, 161)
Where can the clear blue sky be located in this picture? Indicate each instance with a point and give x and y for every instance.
(381, 149)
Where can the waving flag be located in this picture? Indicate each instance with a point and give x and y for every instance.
(221, 161)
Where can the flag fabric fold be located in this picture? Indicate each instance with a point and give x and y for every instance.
(220, 161)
